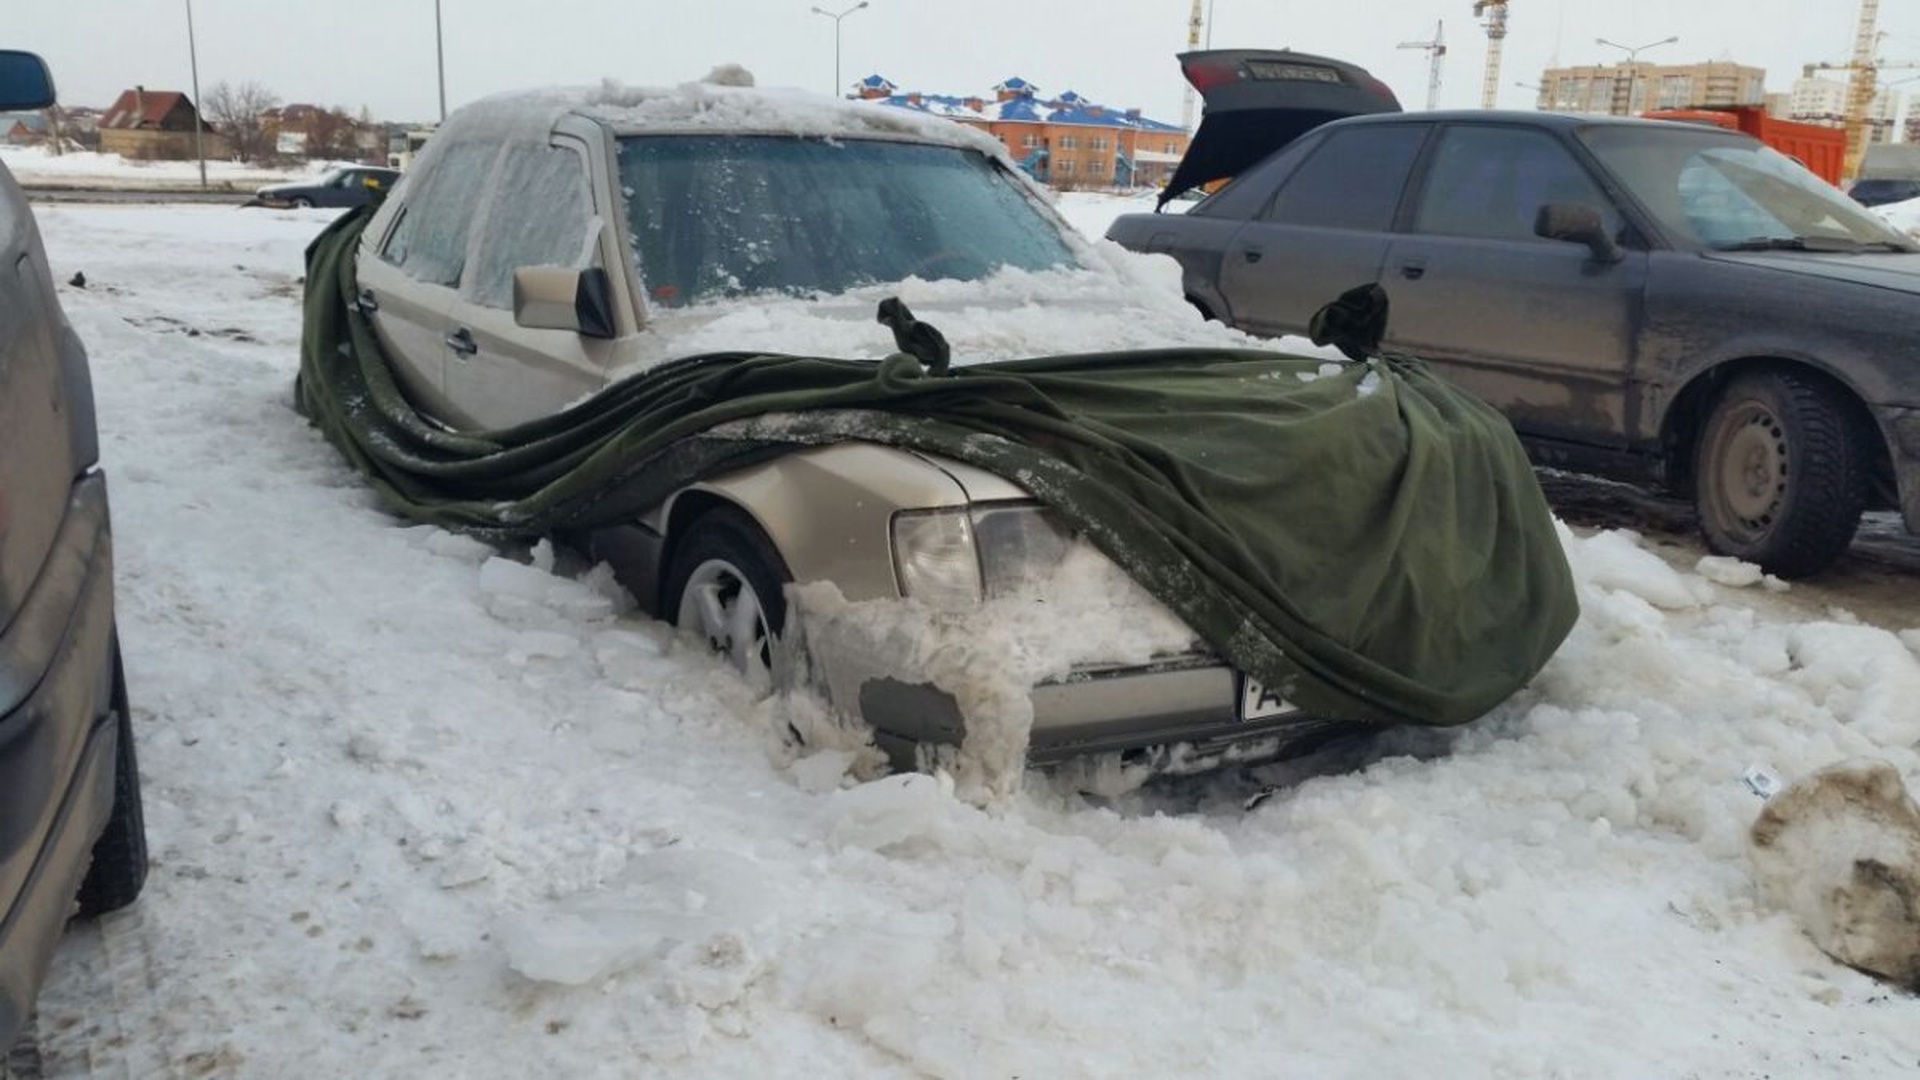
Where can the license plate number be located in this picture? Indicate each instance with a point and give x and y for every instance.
(1258, 703)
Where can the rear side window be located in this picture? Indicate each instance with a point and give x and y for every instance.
(1490, 183)
(1353, 181)
(429, 241)
(541, 216)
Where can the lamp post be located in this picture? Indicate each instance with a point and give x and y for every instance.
(836, 36)
(193, 60)
(1633, 56)
(440, 60)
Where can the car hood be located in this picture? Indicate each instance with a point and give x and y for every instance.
(1259, 100)
(1898, 272)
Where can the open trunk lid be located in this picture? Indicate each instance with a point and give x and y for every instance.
(1259, 100)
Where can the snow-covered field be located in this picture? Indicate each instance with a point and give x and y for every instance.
(35, 165)
(418, 809)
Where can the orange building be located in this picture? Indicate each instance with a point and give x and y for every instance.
(1065, 141)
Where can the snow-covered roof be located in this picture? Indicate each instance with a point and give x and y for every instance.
(725, 100)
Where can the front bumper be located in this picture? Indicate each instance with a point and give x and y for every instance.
(1191, 703)
(57, 744)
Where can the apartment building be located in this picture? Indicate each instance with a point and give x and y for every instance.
(1629, 89)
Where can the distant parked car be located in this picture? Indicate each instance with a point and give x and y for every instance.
(346, 186)
(71, 836)
(1642, 299)
(1880, 192)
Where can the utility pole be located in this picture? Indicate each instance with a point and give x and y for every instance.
(1194, 22)
(440, 58)
(1435, 48)
(193, 59)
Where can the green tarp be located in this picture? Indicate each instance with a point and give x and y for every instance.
(1371, 543)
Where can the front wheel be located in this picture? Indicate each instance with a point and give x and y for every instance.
(301, 202)
(1781, 472)
(726, 583)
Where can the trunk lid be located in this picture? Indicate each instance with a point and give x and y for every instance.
(1259, 100)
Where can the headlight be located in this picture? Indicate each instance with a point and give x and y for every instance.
(950, 558)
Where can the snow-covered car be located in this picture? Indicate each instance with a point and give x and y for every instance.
(342, 186)
(71, 833)
(624, 294)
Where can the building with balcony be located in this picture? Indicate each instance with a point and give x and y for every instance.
(1066, 141)
(1824, 101)
(1629, 89)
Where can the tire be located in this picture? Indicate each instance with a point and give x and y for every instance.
(119, 867)
(727, 581)
(1781, 473)
(301, 202)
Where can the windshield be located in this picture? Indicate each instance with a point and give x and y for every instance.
(1730, 193)
(717, 216)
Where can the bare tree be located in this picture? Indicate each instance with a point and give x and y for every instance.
(330, 135)
(235, 111)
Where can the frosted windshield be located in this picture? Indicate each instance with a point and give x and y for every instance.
(727, 215)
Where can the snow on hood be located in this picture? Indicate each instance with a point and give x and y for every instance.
(1117, 301)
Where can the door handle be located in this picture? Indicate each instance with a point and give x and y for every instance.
(1412, 271)
(460, 340)
(1251, 254)
(366, 301)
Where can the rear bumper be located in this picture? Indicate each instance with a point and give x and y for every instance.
(57, 743)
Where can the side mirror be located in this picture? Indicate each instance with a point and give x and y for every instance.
(1577, 224)
(25, 82)
(556, 298)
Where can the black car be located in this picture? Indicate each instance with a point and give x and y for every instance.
(346, 186)
(1879, 191)
(71, 834)
(1642, 299)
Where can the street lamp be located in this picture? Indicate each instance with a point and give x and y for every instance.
(1633, 55)
(836, 36)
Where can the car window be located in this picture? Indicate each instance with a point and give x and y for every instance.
(1725, 190)
(1490, 182)
(429, 241)
(720, 216)
(541, 215)
(1353, 181)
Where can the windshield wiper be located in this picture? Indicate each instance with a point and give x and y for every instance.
(1811, 243)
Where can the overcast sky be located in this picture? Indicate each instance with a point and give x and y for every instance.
(380, 53)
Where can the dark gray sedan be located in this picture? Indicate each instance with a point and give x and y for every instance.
(1647, 300)
(347, 186)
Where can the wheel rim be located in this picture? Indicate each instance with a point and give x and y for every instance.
(719, 604)
(1749, 468)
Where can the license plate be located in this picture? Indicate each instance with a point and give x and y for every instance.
(1258, 703)
(1284, 72)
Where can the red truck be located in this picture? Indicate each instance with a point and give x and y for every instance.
(1823, 150)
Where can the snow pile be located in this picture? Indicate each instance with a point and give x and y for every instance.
(1841, 851)
(1904, 216)
(401, 827)
(37, 165)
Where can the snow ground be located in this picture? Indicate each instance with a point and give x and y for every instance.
(417, 809)
(34, 165)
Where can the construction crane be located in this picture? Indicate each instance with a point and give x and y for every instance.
(1495, 12)
(1193, 42)
(1860, 86)
(1436, 49)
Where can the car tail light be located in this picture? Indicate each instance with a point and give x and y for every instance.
(1205, 74)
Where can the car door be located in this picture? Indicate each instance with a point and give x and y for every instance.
(1541, 329)
(498, 372)
(1325, 231)
(408, 279)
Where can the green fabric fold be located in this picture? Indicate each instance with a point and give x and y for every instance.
(1367, 540)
